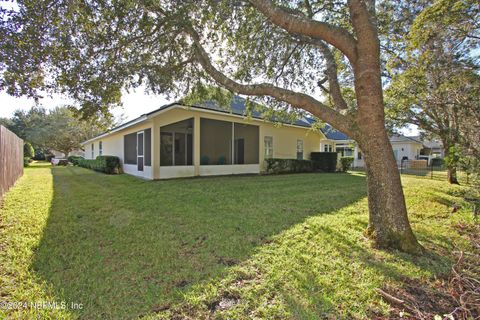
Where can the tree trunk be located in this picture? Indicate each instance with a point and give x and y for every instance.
(388, 225)
(450, 162)
(388, 221)
(452, 174)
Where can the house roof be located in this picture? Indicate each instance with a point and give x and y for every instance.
(237, 107)
(402, 138)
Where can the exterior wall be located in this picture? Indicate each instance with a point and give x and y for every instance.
(112, 145)
(285, 141)
(411, 150)
(284, 144)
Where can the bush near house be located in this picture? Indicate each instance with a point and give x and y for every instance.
(105, 164)
(75, 159)
(324, 161)
(320, 161)
(275, 165)
(345, 163)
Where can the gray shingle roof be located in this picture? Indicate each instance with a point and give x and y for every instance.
(238, 107)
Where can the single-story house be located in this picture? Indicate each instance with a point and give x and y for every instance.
(177, 140)
(404, 148)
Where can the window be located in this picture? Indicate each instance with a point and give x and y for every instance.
(100, 148)
(93, 150)
(359, 155)
(130, 148)
(299, 149)
(268, 144)
(176, 144)
(328, 148)
(344, 151)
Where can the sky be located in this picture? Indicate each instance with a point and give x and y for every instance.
(134, 104)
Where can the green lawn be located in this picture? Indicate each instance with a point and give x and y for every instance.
(287, 246)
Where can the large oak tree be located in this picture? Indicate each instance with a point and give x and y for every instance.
(302, 54)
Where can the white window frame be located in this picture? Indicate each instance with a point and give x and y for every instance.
(268, 147)
(142, 132)
(300, 150)
(100, 148)
(93, 150)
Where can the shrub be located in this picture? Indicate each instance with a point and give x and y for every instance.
(75, 159)
(62, 162)
(28, 151)
(437, 162)
(26, 161)
(345, 163)
(275, 165)
(39, 154)
(324, 161)
(105, 164)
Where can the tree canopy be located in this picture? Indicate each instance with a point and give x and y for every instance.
(435, 83)
(58, 129)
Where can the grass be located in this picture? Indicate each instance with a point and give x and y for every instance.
(287, 246)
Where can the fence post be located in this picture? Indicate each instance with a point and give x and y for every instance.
(431, 170)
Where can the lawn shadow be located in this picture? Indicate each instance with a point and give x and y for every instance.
(124, 247)
(316, 296)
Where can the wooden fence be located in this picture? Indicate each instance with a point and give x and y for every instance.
(11, 159)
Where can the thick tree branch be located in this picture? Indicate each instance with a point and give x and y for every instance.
(331, 72)
(296, 99)
(364, 23)
(300, 25)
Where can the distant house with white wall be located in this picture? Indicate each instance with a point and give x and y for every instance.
(404, 148)
(184, 141)
(61, 155)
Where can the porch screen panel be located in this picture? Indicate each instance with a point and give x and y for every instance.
(130, 148)
(176, 144)
(166, 148)
(215, 142)
(246, 144)
(148, 147)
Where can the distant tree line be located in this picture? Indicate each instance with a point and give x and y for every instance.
(58, 129)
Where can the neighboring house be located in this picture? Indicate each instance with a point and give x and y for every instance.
(61, 155)
(184, 141)
(433, 148)
(406, 148)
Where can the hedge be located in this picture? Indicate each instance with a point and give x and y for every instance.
(105, 164)
(321, 161)
(275, 165)
(437, 162)
(324, 161)
(75, 159)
